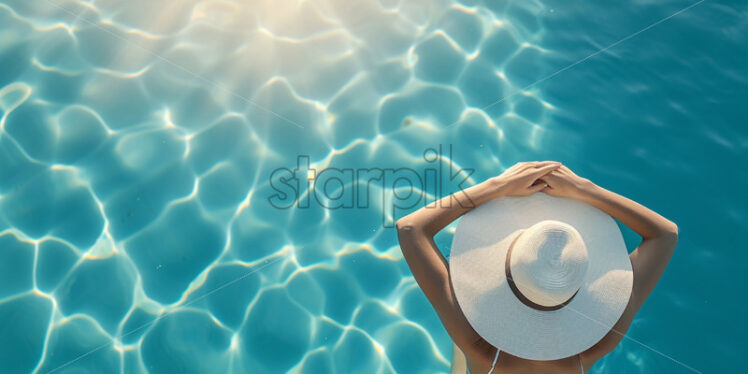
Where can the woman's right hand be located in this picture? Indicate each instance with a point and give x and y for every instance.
(562, 182)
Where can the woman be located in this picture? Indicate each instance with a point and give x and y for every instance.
(432, 271)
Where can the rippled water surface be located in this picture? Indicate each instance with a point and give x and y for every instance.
(138, 230)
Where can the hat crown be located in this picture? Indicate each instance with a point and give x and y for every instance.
(549, 262)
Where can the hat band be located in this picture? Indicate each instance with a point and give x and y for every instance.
(519, 295)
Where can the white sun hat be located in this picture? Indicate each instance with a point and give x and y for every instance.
(540, 277)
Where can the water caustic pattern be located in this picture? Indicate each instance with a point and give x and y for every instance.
(137, 143)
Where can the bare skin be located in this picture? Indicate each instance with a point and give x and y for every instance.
(431, 270)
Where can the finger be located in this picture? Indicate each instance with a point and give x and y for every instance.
(526, 165)
(544, 170)
(567, 170)
(515, 166)
(514, 169)
(534, 164)
(520, 165)
(554, 175)
(546, 163)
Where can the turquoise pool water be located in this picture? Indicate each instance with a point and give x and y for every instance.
(141, 231)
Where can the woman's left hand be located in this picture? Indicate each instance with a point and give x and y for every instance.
(523, 178)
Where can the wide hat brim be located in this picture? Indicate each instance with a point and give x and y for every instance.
(477, 273)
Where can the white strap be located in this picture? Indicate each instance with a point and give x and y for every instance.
(580, 363)
(495, 358)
